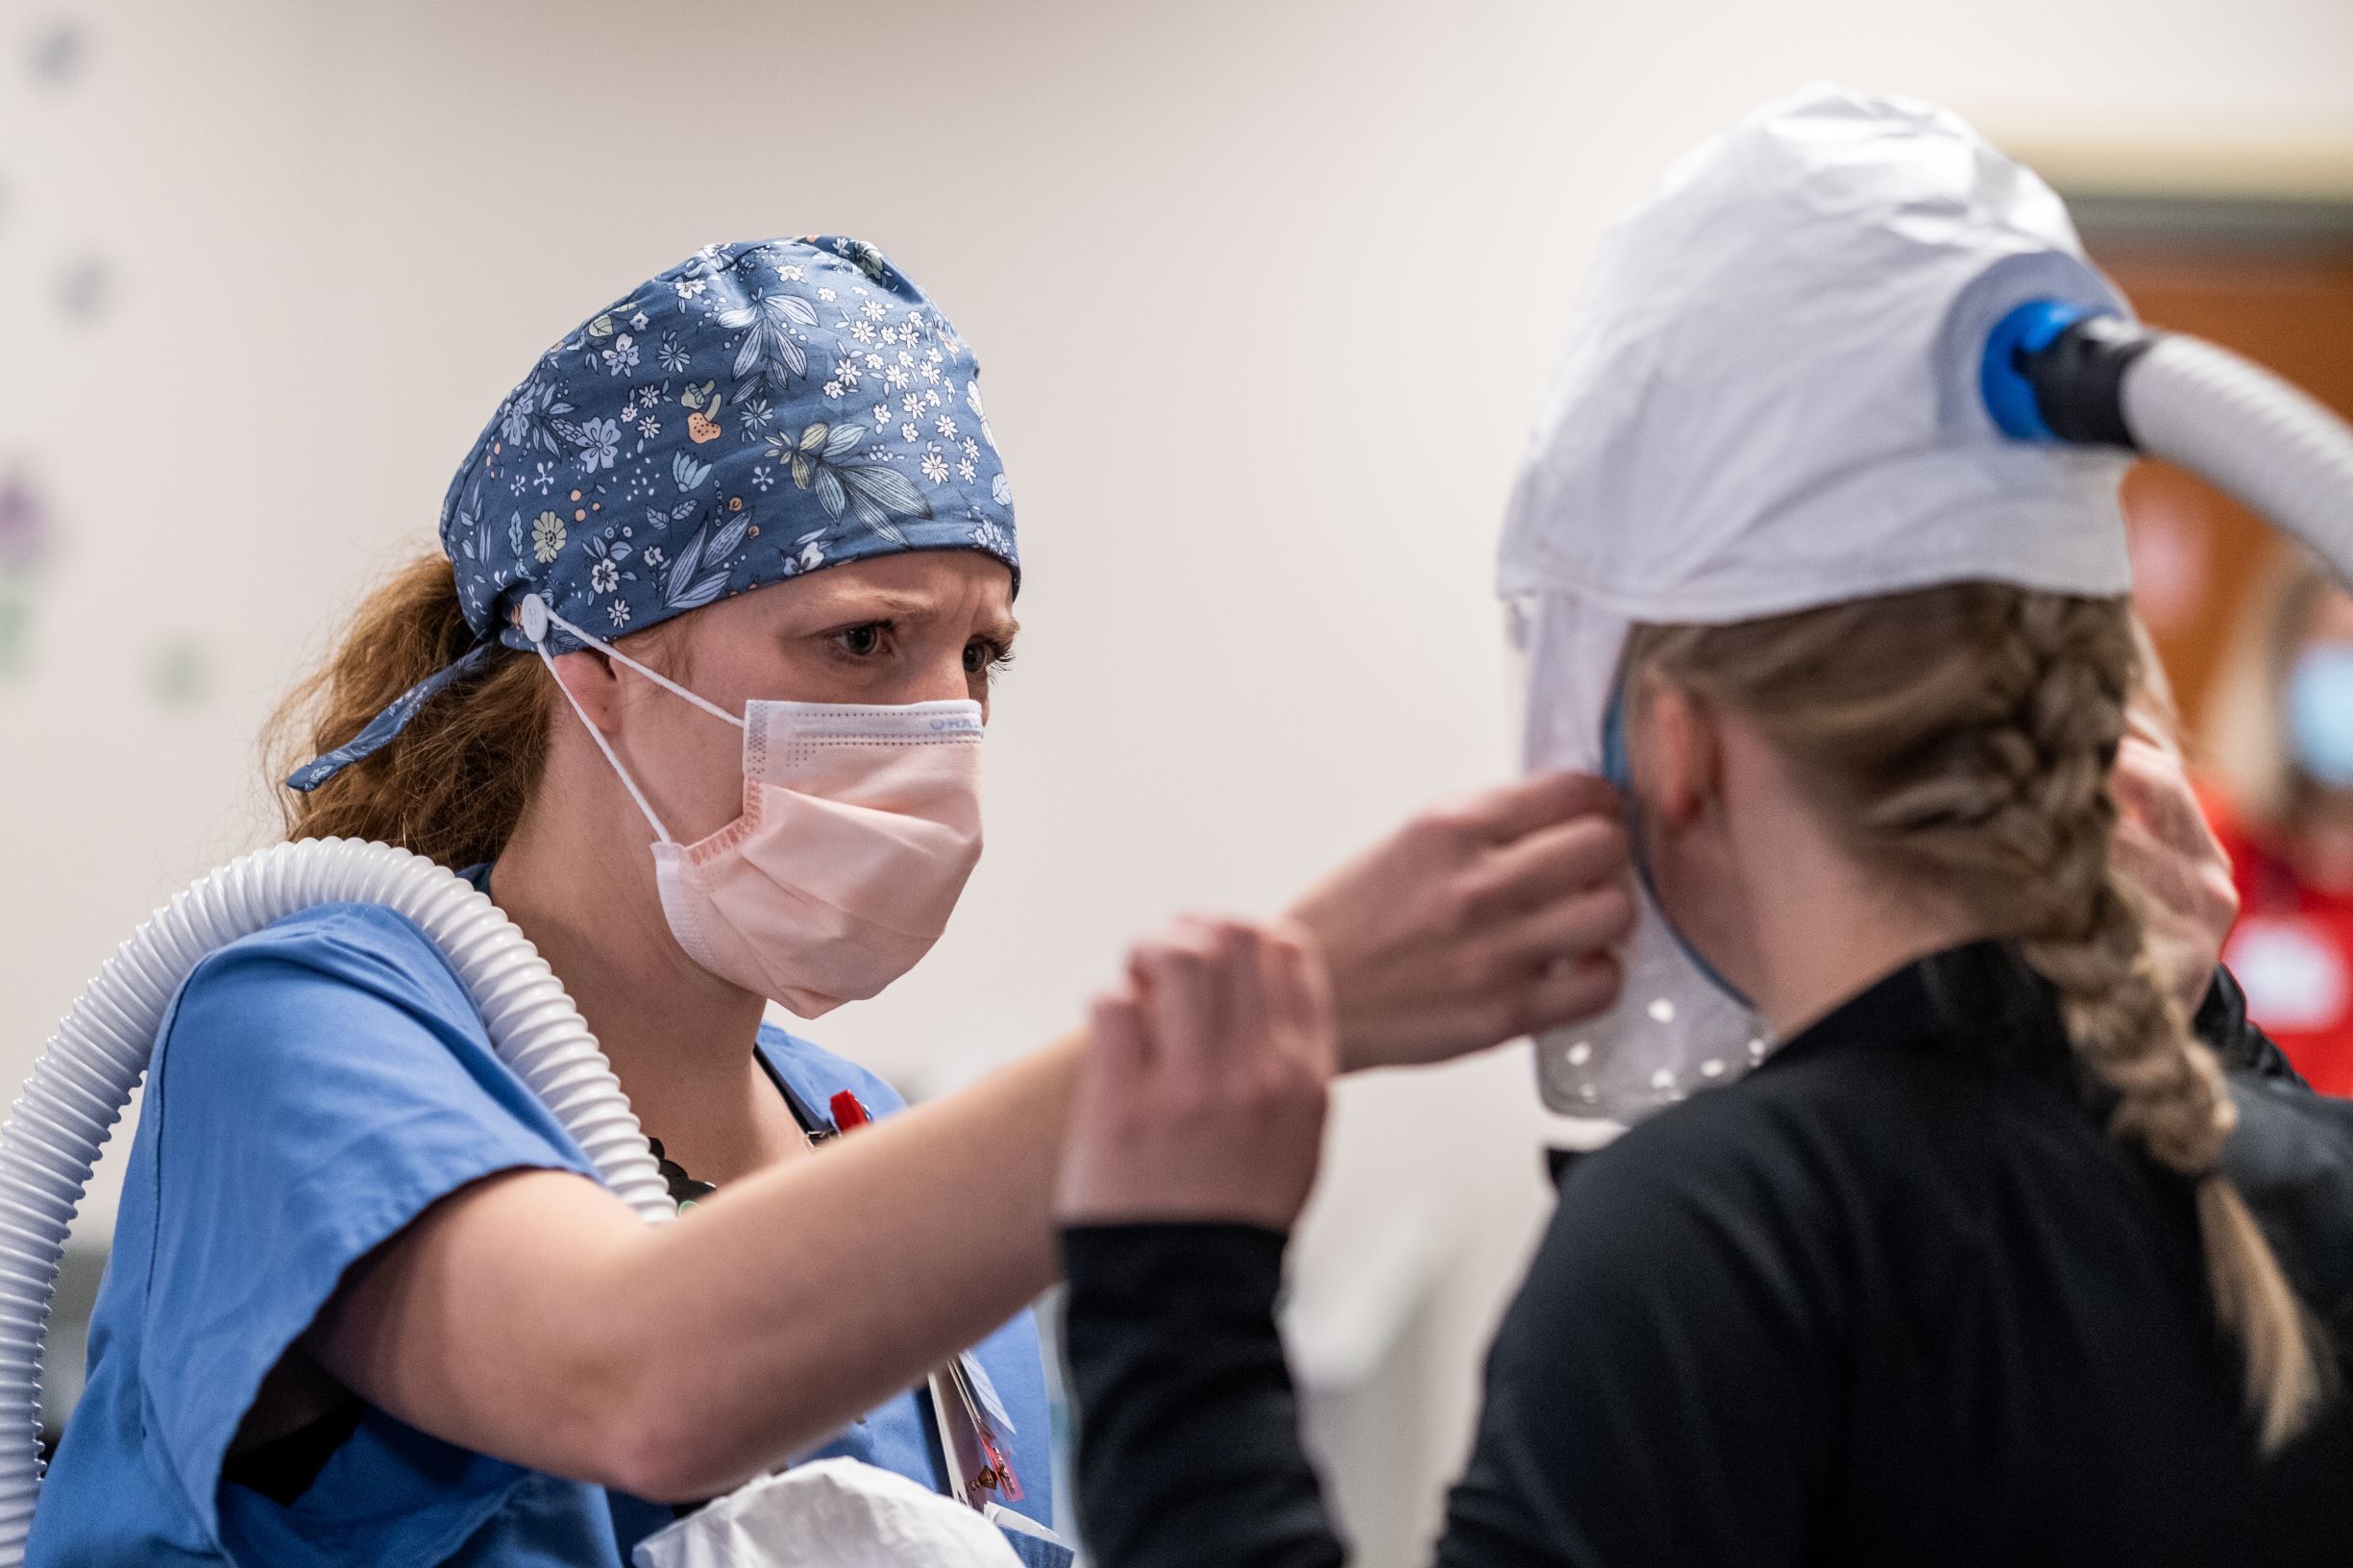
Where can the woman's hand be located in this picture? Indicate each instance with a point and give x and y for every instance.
(2167, 853)
(1202, 1095)
(1477, 924)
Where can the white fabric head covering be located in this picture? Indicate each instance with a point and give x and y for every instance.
(1769, 402)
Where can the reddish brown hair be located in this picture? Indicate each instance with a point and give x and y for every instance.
(454, 784)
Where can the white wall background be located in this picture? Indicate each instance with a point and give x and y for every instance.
(1264, 293)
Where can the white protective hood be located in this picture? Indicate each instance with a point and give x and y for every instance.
(1768, 400)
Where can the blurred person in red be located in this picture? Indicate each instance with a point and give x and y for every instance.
(2279, 791)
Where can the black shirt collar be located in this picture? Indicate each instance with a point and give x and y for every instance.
(1979, 1000)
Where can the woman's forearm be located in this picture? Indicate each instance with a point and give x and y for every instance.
(535, 1319)
(842, 1278)
(1189, 1428)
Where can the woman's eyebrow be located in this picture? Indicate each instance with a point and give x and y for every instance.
(887, 604)
(880, 604)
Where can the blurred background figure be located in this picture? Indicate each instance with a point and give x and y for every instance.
(2258, 642)
(2279, 750)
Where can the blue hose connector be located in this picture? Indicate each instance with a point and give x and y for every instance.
(2010, 396)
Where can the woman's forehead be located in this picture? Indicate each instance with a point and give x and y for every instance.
(915, 585)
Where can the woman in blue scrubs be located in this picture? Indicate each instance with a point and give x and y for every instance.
(363, 1307)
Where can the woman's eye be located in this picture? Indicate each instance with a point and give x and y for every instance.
(986, 658)
(862, 642)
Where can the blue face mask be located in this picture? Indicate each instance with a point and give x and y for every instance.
(1618, 767)
(2320, 714)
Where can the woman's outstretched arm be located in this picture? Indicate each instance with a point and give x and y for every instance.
(532, 1317)
(1655, 1395)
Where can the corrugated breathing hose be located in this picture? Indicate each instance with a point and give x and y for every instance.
(84, 1079)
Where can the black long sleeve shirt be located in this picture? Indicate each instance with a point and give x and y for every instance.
(1895, 1298)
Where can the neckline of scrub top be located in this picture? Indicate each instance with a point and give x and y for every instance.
(813, 1127)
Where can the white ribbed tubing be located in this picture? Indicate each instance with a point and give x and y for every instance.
(84, 1078)
(2235, 424)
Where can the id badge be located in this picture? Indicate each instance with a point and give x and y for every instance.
(974, 1447)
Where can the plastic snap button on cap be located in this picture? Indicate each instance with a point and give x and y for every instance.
(531, 614)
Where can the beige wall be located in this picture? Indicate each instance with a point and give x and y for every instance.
(1264, 293)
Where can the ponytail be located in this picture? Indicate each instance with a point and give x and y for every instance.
(452, 785)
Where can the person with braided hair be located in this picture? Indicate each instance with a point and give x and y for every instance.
(1962, 1274)
(2278, 725)
(1996, 1234)
(1960, 741)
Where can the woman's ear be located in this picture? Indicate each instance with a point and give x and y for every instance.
(1684, 753)
(593, 684)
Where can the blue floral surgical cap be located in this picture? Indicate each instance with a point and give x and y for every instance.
(758, 411)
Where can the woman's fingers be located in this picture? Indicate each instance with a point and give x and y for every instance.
(1120, 1045)
(2151, 785)
(1112, 1090)
(1510, 811)
(1420, 932)
(1569, 928)
(2166, 850)
(1247, 1030)
(1558, 860)
(1299, 1030)
(1552, 996)
(1183, 993)
(1203, 1099)
(2143, 724)
(1567, 990)
(1299, 987)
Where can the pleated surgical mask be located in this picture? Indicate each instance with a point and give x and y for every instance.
(861, 825)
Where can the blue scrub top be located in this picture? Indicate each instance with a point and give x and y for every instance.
(315, 1087)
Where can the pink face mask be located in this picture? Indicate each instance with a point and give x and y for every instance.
(860, 827)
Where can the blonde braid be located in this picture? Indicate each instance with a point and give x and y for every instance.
(1962, 737)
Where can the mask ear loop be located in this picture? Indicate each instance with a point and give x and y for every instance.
(534, 618)
(549, 617)
(1617, 767)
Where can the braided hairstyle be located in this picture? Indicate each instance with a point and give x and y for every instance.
(1962, 736)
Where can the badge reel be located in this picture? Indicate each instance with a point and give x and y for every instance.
(975, 1429)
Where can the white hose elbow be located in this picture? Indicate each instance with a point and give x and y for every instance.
(2260, 440)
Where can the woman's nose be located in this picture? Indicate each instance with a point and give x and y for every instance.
(941, 680)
